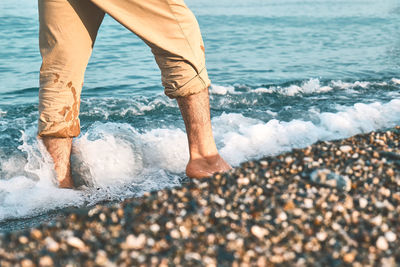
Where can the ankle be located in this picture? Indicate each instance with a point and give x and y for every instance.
(203, 167)
(204, 154)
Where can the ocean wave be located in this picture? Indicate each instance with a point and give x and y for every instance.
(311, 86)
(113, 161)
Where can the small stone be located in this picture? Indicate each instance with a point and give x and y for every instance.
(51, 245)
(120, 212)
(243, 181)
(101, 258)
(282, 216)
(348, 203)
(259, 232)
(345, 149)
(390, 172)
(93, 211)
(185, 232)
(363, 202)
(384, 227)
(27, 263)
(75, 242)
(133, 242)
(321, 236)
(231, 236)
(289, 160)
(354, 216)
(154, 228)
(390, 236)
(36, 234)
(175, 234)
(289, 206)
(46, 261)
(23, 240)
(377, 221)
(349, 257)
(381, 243)
(308, 203)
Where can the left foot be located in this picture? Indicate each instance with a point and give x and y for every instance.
(60, 151)
(205, 167)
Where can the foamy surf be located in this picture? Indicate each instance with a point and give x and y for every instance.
(311, 86)
(113, 160)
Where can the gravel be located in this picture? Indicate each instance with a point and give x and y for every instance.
(333, 203)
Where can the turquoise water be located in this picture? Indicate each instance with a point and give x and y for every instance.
(285, 74)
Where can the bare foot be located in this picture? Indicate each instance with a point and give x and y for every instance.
(66, 183)
(206, 167)
(60, 151)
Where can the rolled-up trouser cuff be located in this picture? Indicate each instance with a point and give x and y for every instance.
(59, 104)
(59, 129)
(195, 85)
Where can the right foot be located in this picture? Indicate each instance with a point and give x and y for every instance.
(66, 183)
(206, 167)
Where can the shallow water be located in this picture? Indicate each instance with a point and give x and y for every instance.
(285, 74)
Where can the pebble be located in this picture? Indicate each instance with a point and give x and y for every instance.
(76, 243)
(258, 232)
(381, 243)
(308, 203)
(282, 216)
(333, 202)
(155, 228)
(377, 220)
(345, 149)
(175, 234)
(102, 259)
(133, 242)
(51, 245)
(46, 261)
(27, 263)
(23, 240)
(390, 236)
(322, 236)
(363, 203)
(36, 234)
(349, 257)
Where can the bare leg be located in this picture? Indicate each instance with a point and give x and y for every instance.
(204, 158)
(60, 150)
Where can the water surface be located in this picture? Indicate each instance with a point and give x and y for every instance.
(285, 74)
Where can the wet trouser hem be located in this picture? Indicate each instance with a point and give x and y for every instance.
(197, 84)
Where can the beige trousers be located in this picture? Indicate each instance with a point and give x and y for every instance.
(68, 30)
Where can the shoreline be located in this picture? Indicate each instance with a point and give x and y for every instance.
(334, 203)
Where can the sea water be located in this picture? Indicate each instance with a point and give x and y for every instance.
(285, 74)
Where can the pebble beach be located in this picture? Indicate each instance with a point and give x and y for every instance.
(334, 203)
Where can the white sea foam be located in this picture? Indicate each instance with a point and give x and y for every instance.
(245, 138)
(311, 86)
(396, 81)
(33, 192)
(116, 161)
(221, 90)
(107, 107)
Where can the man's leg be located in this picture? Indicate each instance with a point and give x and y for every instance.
(68, 29)
(60, 151)
(204, 158)
(172, 32)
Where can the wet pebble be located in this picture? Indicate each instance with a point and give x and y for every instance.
(333, 202)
